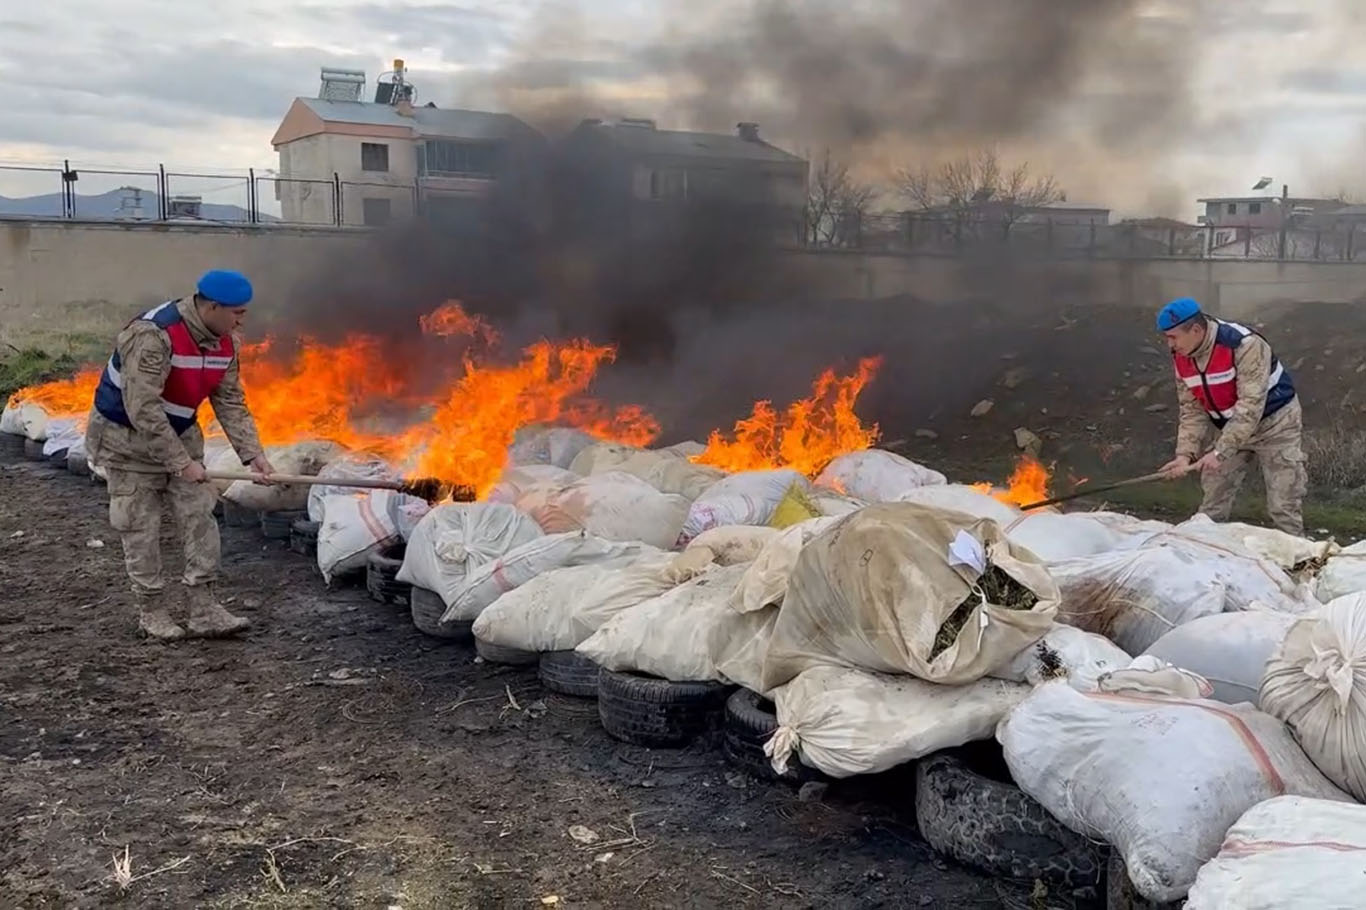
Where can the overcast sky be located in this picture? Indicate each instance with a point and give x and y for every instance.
(1234, 91)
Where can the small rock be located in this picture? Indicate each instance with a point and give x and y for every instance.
(1297, 364)
(927, 434)
(812, 791)
(874, 875)
(95, 543)
(1028, 441)
(17, 534)
(582, 834)
(1014, 377)
(251, 603)
(1141, 392)
(1155, 408)
(736, 780)
(983, 407)
(925, 900)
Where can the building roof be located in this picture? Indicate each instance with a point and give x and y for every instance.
(1221, 199)
(647, 140)
(433, 122)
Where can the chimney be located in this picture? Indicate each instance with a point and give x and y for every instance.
(747, 131)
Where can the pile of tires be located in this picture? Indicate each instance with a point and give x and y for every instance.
(11, 446)
(279, 525)
(381, 577)
(303, 536)
(750, 720)
(649, 711)
(427, 608)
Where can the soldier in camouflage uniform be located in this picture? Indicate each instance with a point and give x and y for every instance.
(1238, 405)
(144, 432)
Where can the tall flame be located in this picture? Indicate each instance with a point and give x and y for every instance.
(804, 437)
(62, 397)
(1027, 485)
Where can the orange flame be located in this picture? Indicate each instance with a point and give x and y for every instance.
(451, 319)
(63, 397)
(1027, 485)
(806, 436)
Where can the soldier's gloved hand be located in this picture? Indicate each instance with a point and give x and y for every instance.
(261, 465)
(193, 472)
(1176, 467)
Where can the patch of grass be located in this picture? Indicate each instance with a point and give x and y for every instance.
(1337, 456)
(31, 366)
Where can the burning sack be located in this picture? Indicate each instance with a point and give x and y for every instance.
(686, 634)
(1316, 683)
(874, 475)
(907, 588)
(959, 498)
(1160, 779)
(1228, 649)
(559, 609)
(1342, 574)
(613, 506)
(514, 481)
(1054, 536)
(452, 540)
(845, 722)
(1287, 853)
(746, 498)
(1067, 653)
(300, 458)
(356, 526)
(600, 457)
(765, 581)
(351, 466)
(516, 567)
(540, 444)
(27, 419)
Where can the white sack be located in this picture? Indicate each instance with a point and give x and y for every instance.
(1250, 581)
(28, 419)
(1053, 536)
(765, 581)
(516, 567)
(1344, 574)
(845, 722)
(559, 609)
(669, 472)
(961, 498)
(613, 506)
(688, 448)
(356, 526)
(876, 475)
(1316, 683)
(63, 433)
(351, 466)
(1148, 675)
(1228, 649)
(747, 498)
(300, 458)
(1067, 653)
(599, 457)
(731, 545)
(452, 540)
(872, 591)
(540, 444)
(685, 633)
(515, 481)
(1287, 853)
(12, 418)
(836, 505)
(1284, 550)
(1160, 779)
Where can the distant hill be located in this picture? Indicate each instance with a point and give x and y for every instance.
(108, 205)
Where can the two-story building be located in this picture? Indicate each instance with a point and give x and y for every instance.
(387, 159)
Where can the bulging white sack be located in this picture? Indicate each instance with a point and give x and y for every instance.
(1228, 649)
(765, 582)
(514, 568)
(356, 526)
(962, 498)
(540, 444)
(300, 458)
(1160, 779)
(599, 457)
(836, 505)
(1316, 683)
(452, 540)
(28, 419)
(1250, 581)
(730, 545)
(12, 418)
(845, 722)
(669, 472)
(517, 480)
(1343, 574)
(613, 506)
(684, 634)
(63, 433)
(1287, 853)
(1068, 653)
(350, 466)
(747, 498)
(876, 475)
(873, 590)
(1284, 550)
(1148, 675)
(1054, 536)
(557, 610)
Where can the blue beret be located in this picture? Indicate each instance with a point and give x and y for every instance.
(226, 287)
(1176, 312)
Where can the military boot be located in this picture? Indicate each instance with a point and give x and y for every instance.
(208, 619)
(154, 621)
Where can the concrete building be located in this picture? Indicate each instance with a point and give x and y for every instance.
(390, 158)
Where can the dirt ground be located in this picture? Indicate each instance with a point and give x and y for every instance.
(336, 757)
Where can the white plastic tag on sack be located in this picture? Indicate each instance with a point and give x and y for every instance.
(967, 550)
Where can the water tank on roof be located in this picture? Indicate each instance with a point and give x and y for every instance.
(341, 85)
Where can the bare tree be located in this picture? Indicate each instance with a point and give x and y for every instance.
(977, 188)
(836, 204)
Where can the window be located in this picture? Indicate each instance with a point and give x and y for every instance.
(374, 156)
(459, 159)
(1254, 208)
(669, 184)
(376, 212)
(1233, 208)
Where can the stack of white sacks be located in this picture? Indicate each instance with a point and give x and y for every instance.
(1181, 692)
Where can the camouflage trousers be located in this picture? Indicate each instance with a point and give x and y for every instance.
(135, 506)
(1276, 448)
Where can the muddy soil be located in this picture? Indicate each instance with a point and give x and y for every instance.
(336, 757)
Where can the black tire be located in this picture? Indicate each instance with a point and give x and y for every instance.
(497, 654)
(381, 571)
(569, 673)
(303, 537)
(649, 711)
(57, 459)
(235, 516)
(427, 608)
(11, 446)
(77, 464)
(1120, 893)
(278, 525)
(750, 721)
(968, 808)
(33, 450)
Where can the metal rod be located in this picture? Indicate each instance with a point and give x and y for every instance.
(1091, 491)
